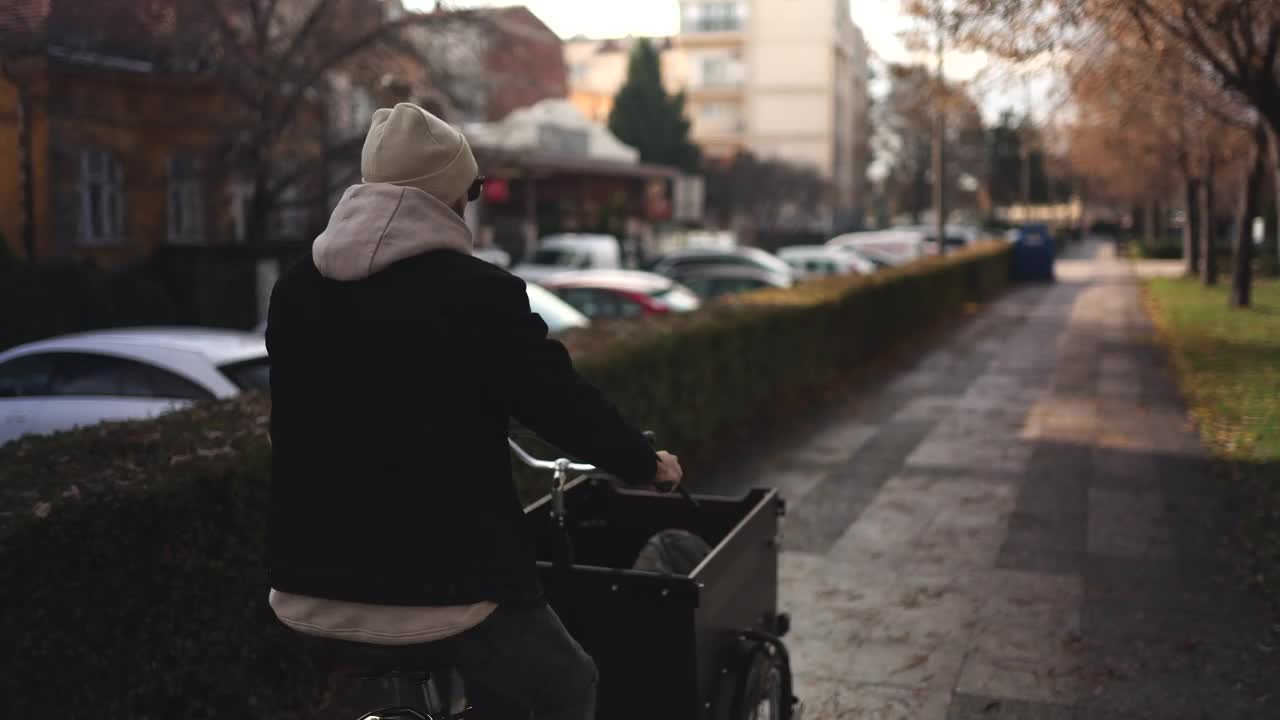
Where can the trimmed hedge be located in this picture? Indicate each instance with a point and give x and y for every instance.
(696, 380)
(131, 553)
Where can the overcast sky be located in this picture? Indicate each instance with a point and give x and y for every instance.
(881, 22)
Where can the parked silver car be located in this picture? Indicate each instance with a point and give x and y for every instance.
(126, 374)
(680, 262)
(711, 282)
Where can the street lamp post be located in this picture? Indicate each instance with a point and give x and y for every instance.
(939, 145)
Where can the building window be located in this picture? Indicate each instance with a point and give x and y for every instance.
(718, 70)
(361, 110)
(291, 214)
(240, 197)
(720, 116)
(713, 17)
(578, 72)
(287, 218)
(101, 198)
(186, 200)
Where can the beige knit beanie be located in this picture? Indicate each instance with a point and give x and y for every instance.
(407, 145)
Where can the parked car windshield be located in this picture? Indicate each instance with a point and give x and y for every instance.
(251, 375)
(556, 313)
(677, 298)
(557, 256)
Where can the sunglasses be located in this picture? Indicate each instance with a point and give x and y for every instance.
(473, 192)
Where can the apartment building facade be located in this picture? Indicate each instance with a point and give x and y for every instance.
(783, 79)
(598, 68)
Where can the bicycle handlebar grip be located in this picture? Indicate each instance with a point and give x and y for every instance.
(666, 487)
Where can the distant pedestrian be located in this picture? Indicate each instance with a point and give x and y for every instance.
(397, 360)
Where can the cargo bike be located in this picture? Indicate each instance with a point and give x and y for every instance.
(701, 644)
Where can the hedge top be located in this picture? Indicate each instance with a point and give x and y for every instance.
(41, 474)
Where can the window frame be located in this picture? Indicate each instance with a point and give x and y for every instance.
(289, 216)
(50, 360)
(362, 106)
(185, 200)
(59, 357)
(714, 17)
(101, 172)
(240, 199)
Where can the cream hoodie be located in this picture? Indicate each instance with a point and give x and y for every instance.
(374, 225)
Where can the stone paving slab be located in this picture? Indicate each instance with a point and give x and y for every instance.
(1020, 525)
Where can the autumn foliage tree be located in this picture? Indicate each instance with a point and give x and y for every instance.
(1199, 65)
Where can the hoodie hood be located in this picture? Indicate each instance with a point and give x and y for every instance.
(376, 224)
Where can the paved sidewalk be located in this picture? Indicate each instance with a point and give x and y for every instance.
(1022, 524)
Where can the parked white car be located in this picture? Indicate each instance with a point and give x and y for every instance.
(815, 261)
(570, 251)
(957, 236)
(555, 312)
(886, 247)
(126, 374)
(494, 256)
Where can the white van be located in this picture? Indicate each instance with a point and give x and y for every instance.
(571, 251)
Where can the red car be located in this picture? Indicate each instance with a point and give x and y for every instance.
(607, 294)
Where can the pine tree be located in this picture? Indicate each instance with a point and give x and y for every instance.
(645, 117)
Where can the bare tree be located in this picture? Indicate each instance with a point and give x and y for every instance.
(905, 132)
(273, 60)
(767, 193)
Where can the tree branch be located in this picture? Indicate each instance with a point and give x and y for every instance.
(346, 147)
(1269, 58)
(1187, 32)
(231, 41)
(320, 68)
(303, 32)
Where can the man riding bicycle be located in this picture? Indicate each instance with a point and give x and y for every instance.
(397, 360)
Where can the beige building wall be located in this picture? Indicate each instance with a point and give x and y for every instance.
(784, 79)
(805, 84)
(598, 70)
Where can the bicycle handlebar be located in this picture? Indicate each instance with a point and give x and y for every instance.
(562, 467)
(537, 464)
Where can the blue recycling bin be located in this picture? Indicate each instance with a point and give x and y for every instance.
(1033, 253)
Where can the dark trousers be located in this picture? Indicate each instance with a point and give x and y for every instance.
(521, 655)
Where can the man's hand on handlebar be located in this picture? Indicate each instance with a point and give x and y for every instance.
(669, 473)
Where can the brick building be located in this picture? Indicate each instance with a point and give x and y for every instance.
(118, 148)
(506, 60)
(101, 145)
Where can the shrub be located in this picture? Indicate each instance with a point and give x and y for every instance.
(131, 553)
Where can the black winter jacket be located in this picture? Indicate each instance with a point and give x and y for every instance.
(391, 393)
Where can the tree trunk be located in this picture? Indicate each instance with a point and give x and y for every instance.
(1161, 223)
(1208, 248)
(258, 223)
(1191, 226)
(1149, 224)
(1242, 250)
(1274, 234)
